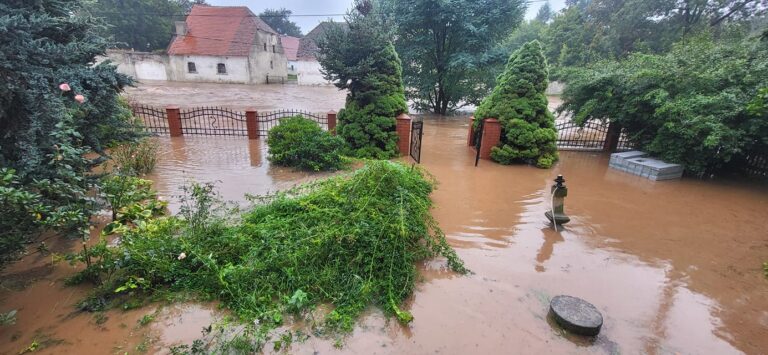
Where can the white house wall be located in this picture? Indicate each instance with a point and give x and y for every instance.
(309, 73)
(238, 70)
(271, 61)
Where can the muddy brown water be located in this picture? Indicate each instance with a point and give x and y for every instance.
(237, 96)
(675, 266)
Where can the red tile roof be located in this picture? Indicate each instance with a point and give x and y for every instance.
(290, 46)
(219, 30)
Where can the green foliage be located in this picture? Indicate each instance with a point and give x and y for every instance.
(136, 157)
(360, 58)
(519, 103)
(280, 22)
(48, 127)
(291, 252)
(698, 105)
(122, 191)
(143, 25)
(447, 47)
(301, 143)
(587, 31)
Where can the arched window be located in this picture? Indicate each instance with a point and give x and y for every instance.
(221, 68)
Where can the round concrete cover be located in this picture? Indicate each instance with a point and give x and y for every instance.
(576, 315)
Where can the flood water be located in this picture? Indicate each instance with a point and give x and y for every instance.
(674, 266)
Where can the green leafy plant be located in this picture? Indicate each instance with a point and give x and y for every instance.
(518, 101)
(136, 158)
(350, 241)
(122, 191)
(698, 105)
(301, 143)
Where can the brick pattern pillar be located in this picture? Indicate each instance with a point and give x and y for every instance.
(471, 132)
(332, 122)
(491, 137)
(252, 123)
(174, 120)
(404, 134)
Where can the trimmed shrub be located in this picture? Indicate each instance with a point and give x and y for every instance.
(360, 58)
(301, 143)
(518, 101)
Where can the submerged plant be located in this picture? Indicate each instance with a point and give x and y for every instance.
(349, 241)
(136, 158)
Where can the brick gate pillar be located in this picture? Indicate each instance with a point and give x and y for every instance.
(491, 137)
(252, 123)
(403, 134)
(332, 122)
(471, 131)
(174, 120)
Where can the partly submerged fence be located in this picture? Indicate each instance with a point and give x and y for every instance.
(220, 121)
(591, 137)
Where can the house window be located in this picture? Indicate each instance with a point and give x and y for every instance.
(292, 68)
(271, 66)
(221, 68)
(265, 46)
(191, 67)
(273, 49)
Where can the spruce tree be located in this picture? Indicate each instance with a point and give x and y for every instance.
(360, 58)
(56, 104)
(518, 101)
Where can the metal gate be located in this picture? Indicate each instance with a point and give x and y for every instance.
(417, 133)
(477, 140)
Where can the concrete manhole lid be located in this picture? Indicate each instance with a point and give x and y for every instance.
(576, 315)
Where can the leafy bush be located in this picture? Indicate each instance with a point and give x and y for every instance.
(360, 58)
(22, 212)
(136, 158)
(350, 241)
(125, 195)
(519, 103)
(301, 143)
(698, 105)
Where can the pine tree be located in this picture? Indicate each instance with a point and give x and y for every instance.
(360, 58)
(518, 101)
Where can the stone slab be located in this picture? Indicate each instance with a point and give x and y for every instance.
(576, 315)
(640, 164)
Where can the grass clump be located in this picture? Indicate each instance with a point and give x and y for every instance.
(136, 158)
(301, 143)
(349, 241)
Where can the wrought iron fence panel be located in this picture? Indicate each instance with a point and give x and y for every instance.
(154, 120)
(591, 136)
(213, 121)
(268, 120)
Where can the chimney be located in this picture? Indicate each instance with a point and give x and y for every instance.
(181, 28)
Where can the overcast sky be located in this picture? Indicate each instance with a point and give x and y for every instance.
(324, 7)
